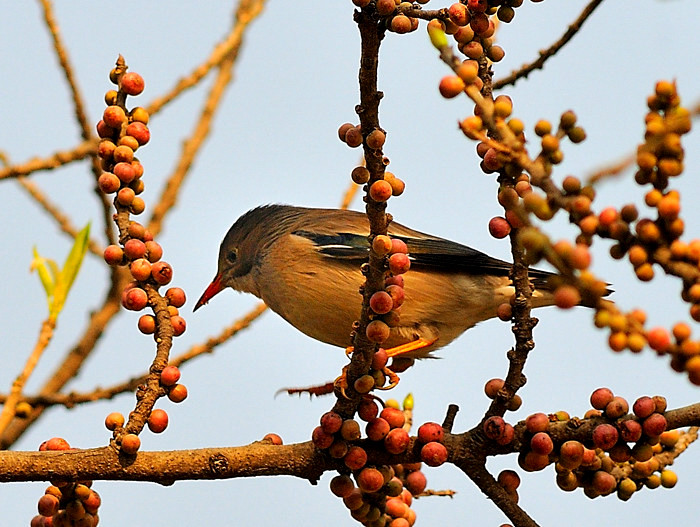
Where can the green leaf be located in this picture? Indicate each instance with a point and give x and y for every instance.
(437, 37)
(47, 270)
(70, 270)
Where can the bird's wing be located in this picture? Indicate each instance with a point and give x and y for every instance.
(436, 253)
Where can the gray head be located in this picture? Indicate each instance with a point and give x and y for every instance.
(246, 242)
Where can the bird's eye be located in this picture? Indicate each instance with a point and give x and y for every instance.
(232, 255)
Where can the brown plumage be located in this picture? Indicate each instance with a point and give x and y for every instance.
(305, 265)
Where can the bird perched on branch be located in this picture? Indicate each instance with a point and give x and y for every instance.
(305, 265)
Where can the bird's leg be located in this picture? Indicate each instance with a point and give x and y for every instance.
(399, 363)
(414, 345)
(342, 381)
(393, 379)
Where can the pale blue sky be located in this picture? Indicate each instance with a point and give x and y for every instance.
(275, 141)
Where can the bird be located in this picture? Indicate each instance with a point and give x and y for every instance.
(304, 263)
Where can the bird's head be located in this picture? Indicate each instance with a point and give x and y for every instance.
(243, 248)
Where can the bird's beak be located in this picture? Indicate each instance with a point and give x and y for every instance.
(214, 288)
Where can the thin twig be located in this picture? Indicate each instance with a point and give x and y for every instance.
(62, 55)
(55, 160)
(8, 409)
(247, 11)
(526, 69)
(246, 14)
(83, 122)
(618, 167)
(71, 364)
(55, 212)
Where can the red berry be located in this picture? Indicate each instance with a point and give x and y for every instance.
(654, 425)
(342, 485)
(380, 191)
(499, 227)
(135, 299)
(459, 14)
(126, 197)
(571, 454)
(321, 438)
(396, 441)
(104, 131)
(170, 375)
(367, 410)
(132, 83)
(400, 24)
(123, 153)
(147, 324)
(433, 454)
(377, 429)
(114, 117)
(114, 420)
(48, 505)
(603, 482)
(109, 183)
(162, 273)
(396, 508)
(507, 436)
(416, 482)
(379, 359)
(451, 86)
(140, 269)
(541, 443)
(353, 137)
(134, 249)
(399, 263)
(617, 408)
(375, 139)
(397, 294)
(125, 172)
(492, 387)
(356, 458)
(130, 444)
(644, 407)
(478, 6)
(158, 421)
(178, 393)
(114, 255)
(154, 251)
(494, 427)
(179, 325)
(601, 397)
(509, 480)
(331, 422)
(395, 417)
(659, 339)
(428, 432)
(370, 480)
(381, 302)
(479, 24)
(566, 296)
(377, 331)
(385, 7)
(175, 297)
(140, 132)
(605, 436)
(630, 430)
(538, 422)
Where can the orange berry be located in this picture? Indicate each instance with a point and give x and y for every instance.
(659, 339)
(566, 296)
(451, 86)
